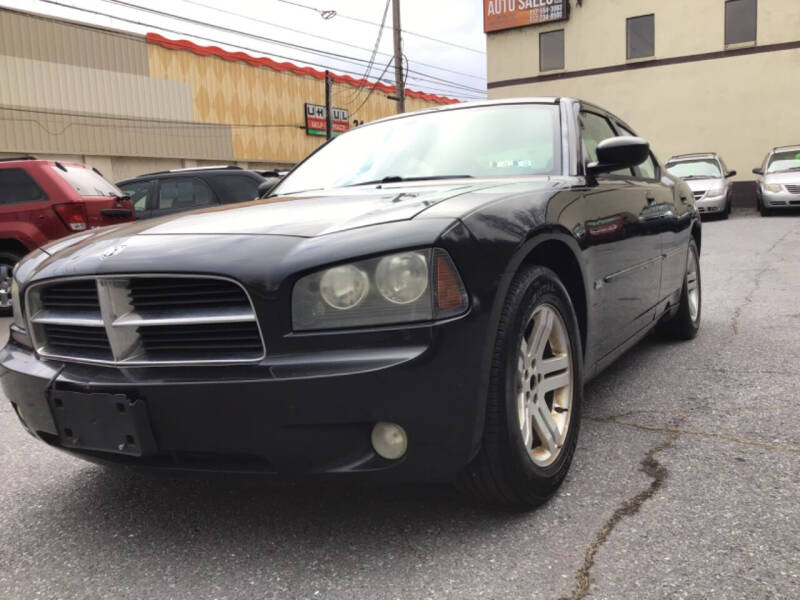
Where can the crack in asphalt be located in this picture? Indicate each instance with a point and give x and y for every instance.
(708, 434)
(737, 314)
(650, 467)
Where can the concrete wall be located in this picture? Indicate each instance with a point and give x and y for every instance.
(731, 102)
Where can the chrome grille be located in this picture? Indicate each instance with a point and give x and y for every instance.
(793, 188)
(144, 320)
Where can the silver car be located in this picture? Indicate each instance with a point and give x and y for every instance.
(707, 176)
(779, 180)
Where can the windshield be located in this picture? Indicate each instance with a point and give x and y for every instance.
(492, 141)
(784, 161)
(86, 181)
(695, 169)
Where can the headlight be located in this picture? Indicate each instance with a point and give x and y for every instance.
(406, 287)
(716, 191)
(402, 278)
(344, 287)
(775, 188)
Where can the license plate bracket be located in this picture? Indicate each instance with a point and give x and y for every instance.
(102, 422)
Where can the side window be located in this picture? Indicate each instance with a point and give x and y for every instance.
(595, 129)
(139, 191)
(184, 193)
(236, 188)
(648, 168)
(16, 187)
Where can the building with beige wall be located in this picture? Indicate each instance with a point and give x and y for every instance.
(691, 76)
(130, 104)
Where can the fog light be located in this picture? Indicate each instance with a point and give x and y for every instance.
(389, 440)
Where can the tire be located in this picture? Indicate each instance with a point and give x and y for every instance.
(686, 322)
(765, 212)
(8, 260)
(506, 471)
(727, 212)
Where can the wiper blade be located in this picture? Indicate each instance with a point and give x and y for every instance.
(398, 179)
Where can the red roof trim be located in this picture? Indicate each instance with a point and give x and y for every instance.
(263, 61)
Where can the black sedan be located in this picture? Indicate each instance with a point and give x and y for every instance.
(423, 298)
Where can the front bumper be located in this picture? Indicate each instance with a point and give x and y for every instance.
(712, 205)
(292, 416)
(780, 199)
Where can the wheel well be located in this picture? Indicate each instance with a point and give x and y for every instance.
(696, 235)
(558, 257)
(13, 246)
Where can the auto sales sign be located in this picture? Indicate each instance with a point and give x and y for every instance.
(507, 14)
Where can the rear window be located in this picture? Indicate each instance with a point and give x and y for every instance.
(86, 181)
(16, 187)
(236, 188)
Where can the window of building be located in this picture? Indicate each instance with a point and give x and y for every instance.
(641, 36)
(16, 186)
(740, 21)
(551, 50)
(184, 193)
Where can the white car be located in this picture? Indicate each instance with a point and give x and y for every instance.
(779, 180)
(707, 176)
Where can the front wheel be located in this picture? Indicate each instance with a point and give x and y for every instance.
(7, 262)
(686, 322)
(535, 392)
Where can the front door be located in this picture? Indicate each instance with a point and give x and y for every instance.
(623, 252)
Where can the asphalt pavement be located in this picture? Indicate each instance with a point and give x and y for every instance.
(685, 484)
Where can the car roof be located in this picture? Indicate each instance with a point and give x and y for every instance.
(785, 148)
(695, 155)
(476, 104)
(195, 171)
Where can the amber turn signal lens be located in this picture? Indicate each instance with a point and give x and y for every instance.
(450, 295)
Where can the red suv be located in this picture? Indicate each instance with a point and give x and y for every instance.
(43, 200)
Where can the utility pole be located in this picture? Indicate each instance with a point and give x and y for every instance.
(328, 107)
(398, 59)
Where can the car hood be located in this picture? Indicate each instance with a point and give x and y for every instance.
(701, 185)
(791, 177)
(312, 214)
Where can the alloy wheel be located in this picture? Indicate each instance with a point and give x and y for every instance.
(5, 286)
(544, 385)
(692, 285)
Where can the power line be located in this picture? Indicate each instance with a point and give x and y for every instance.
(327, 39)
(203, 37)
(374, 52)
(302, 48)
(359, 20)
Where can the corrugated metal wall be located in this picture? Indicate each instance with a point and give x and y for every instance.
(69, 88)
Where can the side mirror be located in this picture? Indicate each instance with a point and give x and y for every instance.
(730, 174)
(758, 171)
(266, 186)
(619, 153)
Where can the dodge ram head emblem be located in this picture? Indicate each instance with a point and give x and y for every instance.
(112, 251)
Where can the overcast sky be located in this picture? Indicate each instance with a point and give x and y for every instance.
(459, 23)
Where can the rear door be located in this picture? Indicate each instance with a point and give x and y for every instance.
(668, 217)
(179, 194)
(625, 256)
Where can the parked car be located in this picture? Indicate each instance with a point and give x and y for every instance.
(43, 200)
(779, 180)
(421, 299)
(707, 177)
(168, 192)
